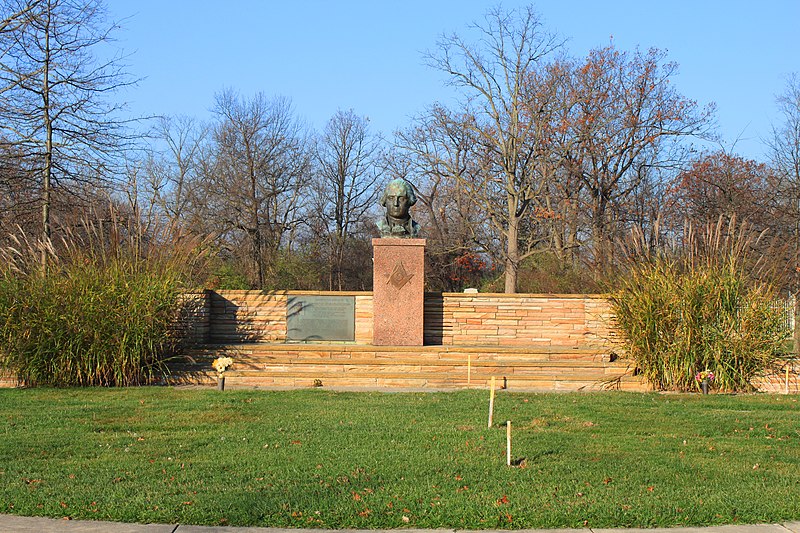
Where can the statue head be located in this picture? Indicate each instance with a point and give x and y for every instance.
(397, 198)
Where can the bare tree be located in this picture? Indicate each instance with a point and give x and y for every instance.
(257, 174)
(18, 198)
(494, 75)
(784, 146)
(439, 156)
(785, 141)
(13, 19)
(723, 186)
(174, 173)
(55, 106)
(347, 157)
(625, 122)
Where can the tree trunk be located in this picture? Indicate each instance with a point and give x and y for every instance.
(512, 256)
(48, 150)
(599, 233)
(796, 330)
(255, 220)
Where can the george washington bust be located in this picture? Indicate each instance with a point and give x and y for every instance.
(397, 198)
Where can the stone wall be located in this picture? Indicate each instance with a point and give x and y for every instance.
(194, 322)
(779, 381)
(517, 320)
(450, 318)
(256, 316)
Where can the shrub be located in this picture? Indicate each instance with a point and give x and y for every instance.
(88, 324)
(227, 277)
(96, 315)
(702, 310)
(544, 272)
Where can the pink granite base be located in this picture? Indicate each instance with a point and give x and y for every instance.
(398, 291)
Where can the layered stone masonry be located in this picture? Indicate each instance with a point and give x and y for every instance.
(256, 316)
(517, 320)
(449, 318)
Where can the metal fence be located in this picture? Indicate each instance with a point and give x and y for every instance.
(786, 307)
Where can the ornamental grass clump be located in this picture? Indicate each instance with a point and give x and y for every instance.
(701, 311)
(91, 316)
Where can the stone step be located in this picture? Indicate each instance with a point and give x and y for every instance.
(476, 355)
(421, 381)
(381, 370)
(350, 366)
(413, 363)
(395, 358)
(594, 371)
(332, 346)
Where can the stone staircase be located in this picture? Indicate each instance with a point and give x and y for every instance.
(349, 366)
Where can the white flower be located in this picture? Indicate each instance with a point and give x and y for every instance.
(220, 364)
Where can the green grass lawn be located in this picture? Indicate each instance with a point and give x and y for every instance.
(316, 458)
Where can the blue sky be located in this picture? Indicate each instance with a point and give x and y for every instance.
(367, 55)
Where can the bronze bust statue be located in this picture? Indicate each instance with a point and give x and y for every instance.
(397, 198)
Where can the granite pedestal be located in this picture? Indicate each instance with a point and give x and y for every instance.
(398, 286)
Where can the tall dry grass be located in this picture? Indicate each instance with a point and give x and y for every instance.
(704, 306)
(100, 311)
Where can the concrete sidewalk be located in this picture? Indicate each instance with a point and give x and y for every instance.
(25, 524)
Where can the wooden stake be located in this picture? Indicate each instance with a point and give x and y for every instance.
(469, 368)
(508, 442)
(787, 379)
(491, 401)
